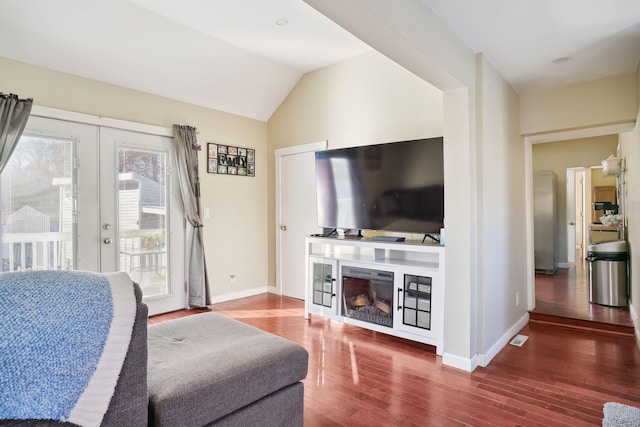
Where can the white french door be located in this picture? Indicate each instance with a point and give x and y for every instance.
(90, 197)
(141, 226)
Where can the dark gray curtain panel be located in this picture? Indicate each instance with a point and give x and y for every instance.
(14, 113)
(187, 147)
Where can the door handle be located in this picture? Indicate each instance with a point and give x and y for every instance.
(107, 241)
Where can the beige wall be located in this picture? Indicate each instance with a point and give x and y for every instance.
(432, 52)
(392, 105)
(601, 102)
(235, 235)
(365, 100)
(558, 156)
(597, 179)
(590, 106)
(415, 38)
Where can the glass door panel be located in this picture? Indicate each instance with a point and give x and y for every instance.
(37, 200)
(142, 218)
(323, 283)
(416, 301)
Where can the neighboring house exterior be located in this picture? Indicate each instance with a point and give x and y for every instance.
(141, 203)
(28, 220)
(20, 256)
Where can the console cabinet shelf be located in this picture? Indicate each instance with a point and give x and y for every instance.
(391, 287)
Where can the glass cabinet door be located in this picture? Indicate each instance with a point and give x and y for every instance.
(416, 301)
(323, 284)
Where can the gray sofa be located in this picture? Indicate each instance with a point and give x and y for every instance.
(200, 370)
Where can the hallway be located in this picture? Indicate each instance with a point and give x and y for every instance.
(566, 295)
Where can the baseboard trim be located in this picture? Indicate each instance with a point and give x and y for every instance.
(240, 294)
(485, 358)
(459, 362)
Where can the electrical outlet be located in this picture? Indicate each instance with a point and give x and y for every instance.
(517, 299)
(232, 277)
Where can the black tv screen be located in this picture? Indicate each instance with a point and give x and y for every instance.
(397, 186)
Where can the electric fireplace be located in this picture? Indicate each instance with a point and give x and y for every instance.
(367, 295)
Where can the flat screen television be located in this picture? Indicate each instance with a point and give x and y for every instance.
(397, 186)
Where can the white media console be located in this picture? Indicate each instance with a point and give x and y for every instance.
(392, 287)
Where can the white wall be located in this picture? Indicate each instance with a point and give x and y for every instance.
(630, 144)
(630, 152)
(235, 235)
(502, 212)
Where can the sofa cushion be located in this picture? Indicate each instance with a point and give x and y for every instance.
(206, 366)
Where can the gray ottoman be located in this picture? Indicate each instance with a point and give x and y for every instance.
(208, 369)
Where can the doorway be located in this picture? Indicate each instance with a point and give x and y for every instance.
(81, 196)
(566, 294)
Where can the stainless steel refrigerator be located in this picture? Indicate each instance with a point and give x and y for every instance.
(544, 221)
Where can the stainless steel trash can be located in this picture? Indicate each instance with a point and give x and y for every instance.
(608, 272)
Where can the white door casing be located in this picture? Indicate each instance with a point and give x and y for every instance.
(581, 230)
(571, 215)
(296, 214)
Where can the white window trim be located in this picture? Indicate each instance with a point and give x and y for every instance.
(54, 113)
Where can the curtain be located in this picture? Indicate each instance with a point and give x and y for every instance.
(14, 114)
(187, 147)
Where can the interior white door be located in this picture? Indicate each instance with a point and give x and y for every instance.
(141, 226)
(295, 214)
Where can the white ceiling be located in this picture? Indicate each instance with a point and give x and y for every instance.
(231, 55)
(588, 39)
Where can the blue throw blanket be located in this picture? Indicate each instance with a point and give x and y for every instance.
(63, 339)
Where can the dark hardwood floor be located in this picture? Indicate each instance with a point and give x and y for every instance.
(564, 297)
(559, 377)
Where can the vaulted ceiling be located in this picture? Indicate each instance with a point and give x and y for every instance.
(245, 56)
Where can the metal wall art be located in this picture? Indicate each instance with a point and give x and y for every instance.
(230, 160)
